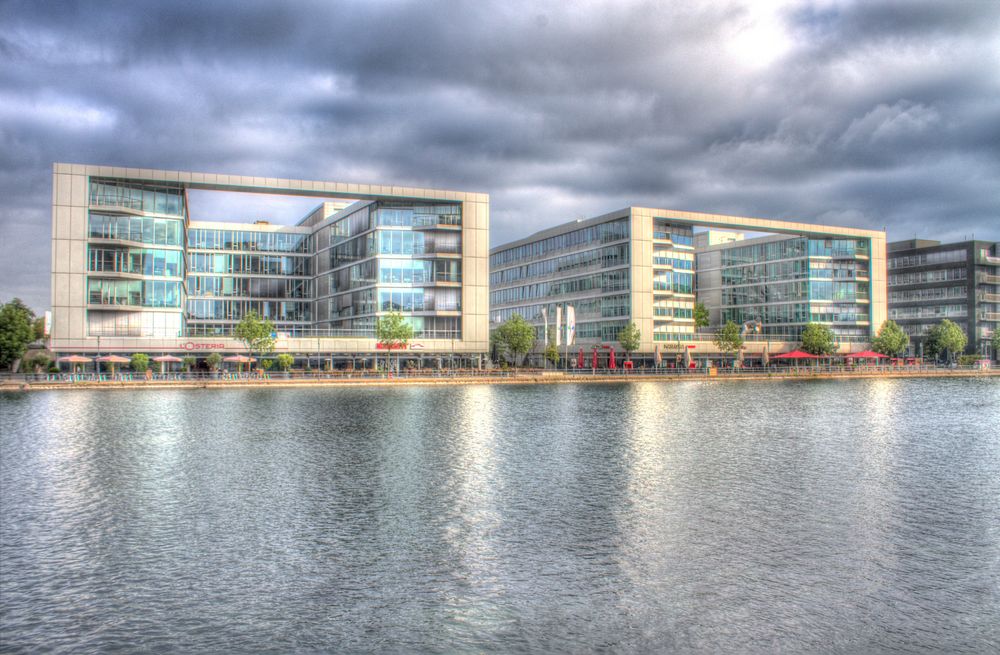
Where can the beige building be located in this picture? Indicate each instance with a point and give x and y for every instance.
(638, 265)
(132, 272)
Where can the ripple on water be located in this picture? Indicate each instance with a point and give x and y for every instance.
(835, 516)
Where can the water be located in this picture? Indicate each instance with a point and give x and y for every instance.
(830, 516)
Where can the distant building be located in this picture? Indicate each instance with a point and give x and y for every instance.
(638, 265)
(784, 282)
(929, 281)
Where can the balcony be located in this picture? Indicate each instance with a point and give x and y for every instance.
(989, 316)
(983, 278)
(988, 297)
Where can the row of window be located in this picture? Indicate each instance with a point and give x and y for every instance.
(139, 261)
(925, 259)
(419, 300)
(234, 310)
(133, 293)
(928, 311)
(602, 307)
(932, 293)
(248, 240)
(152, 199)
(606, 281)
(602, 233)
(794, 248)
(248, 287)
(835, 290)
(154, 231)
(607, 257)
(673, 281)
(248, 264)
(399, 215)
(921, 277)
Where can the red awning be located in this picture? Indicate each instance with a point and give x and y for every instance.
(795, 354)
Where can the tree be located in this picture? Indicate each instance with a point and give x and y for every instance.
(393, 331)
(37, 362)
(995, 343)
(16, 331)
(188, 363)
(39, 327)
(817, 339)
(140, 362)
(255, 333)
(285, 361)
(727, 338)
(945, 338)
(891, 340)
(629, 338)
(515, 337)
(700, 315)
(213, 361)
(552, 354)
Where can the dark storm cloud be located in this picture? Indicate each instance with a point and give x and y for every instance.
(877, 113)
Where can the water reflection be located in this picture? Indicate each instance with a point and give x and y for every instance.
(852, 516)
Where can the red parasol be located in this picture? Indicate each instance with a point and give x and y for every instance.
(795, 354)
(593, 360)
(611, 359)
(579, 359)
(866, 354)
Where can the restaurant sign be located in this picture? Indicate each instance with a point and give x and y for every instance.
(191, 345)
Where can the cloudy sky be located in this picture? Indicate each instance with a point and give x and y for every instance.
(875, 113)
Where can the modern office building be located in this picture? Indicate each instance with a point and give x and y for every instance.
(706, 238)
(132, 272)
(639, 265)
(929, 281)
(782, 283)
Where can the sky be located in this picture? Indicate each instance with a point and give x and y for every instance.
(877, 114)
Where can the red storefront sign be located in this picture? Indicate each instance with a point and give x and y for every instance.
(191, 345)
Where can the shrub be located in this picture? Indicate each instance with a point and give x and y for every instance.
(140, 362)
(214, 361)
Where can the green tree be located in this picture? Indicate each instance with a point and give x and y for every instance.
(727, 338)
(267, 364)
(16, 331)
(515, 337)
(255, 333)
(285, 361)
(393, 332)
(629, 338)
(552, 354)
(36, 362)
(945, 338)
(817, 339)
(891, 340)
(995, 343)
(213, 361)
(39, 327)
(188, 363)
(700, 315)
(140, 362)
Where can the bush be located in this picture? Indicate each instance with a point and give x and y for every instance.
(140, 362)
(267, 364)
(969, 360)
(285, 361)
(53, 368)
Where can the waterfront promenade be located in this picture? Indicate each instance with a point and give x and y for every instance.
(459, 377)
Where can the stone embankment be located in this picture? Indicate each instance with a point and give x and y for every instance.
(528, 377)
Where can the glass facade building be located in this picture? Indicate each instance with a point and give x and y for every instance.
(783, 283)
(132, 271)
(929, 281)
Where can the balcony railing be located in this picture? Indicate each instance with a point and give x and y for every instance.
(988, 279)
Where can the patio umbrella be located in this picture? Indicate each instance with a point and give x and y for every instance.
(593, 360)
(796, 355)
(113, 359)
(74, 359)
(163, 359)
(656, 355)
(611, 359)
(687, 358)
(239, 359)
(866, 354)
(765, 358)
(579, 359)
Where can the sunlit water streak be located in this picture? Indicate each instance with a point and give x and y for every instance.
(829, 516)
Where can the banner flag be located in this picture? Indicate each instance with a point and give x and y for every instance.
(570, 325)
(545, 320)
(558, 323)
